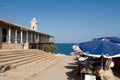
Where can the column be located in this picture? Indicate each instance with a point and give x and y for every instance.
(38, 39)
(21, 36)
(41, 38)
(31, 38)
(34, 38)
(9, 35)
(26, 36)
(15, 36)
(46, 39)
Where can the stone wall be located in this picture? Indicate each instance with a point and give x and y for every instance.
(12, 46)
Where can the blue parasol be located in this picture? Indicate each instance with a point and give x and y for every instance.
(100, 46)
(112, 39)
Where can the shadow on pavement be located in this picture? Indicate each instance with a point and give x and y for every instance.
(71, 74)
(75, 63)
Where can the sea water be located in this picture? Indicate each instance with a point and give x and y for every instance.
(64, 48)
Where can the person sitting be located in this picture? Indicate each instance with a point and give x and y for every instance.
(109, 63)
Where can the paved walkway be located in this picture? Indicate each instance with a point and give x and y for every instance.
(63, 71)
(60, 71)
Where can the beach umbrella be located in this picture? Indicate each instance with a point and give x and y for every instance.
(101, 46)
(112, 39)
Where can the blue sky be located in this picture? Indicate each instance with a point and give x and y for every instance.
(67, 20)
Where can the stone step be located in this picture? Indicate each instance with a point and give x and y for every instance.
(15, 52)
(22, 57)
(14, 57)
(32, 60)
(24, 72)
(19, 53)
(19, 60)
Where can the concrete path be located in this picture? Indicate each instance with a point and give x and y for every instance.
(60, 71)
(63, 70)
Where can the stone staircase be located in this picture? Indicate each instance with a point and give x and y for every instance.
(10, 59)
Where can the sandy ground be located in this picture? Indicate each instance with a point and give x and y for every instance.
(60, 71)
(63, 70)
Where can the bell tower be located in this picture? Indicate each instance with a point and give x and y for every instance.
(34, 24)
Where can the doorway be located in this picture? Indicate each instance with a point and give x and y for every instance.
(4, 35)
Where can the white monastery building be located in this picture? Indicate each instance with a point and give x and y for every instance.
(13, 36)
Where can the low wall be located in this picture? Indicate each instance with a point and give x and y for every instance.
(12, 46)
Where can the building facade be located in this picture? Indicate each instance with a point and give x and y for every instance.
(13, 36)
